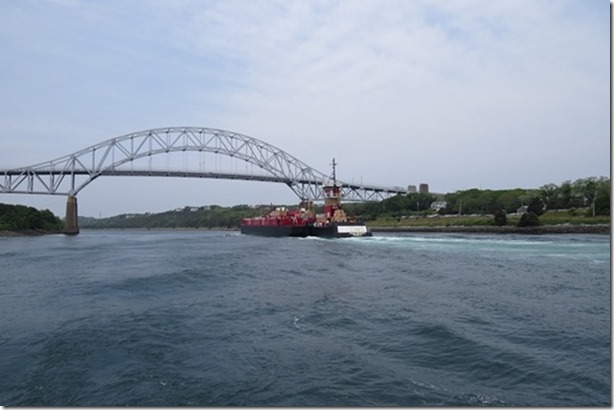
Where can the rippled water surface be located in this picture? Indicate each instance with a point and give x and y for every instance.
(215, 318)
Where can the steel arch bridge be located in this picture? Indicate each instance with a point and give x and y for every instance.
(69, 174)
(61, 176)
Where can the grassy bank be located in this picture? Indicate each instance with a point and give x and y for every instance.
(438, 221)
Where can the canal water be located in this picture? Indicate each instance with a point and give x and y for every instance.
(205, 318)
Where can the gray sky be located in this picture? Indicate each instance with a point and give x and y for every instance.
(458, 94)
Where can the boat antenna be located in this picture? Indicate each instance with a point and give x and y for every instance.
(334, 164)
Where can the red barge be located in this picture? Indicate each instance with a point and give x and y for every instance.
(333, 223)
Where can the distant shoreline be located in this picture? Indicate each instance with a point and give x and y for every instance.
(604, 229)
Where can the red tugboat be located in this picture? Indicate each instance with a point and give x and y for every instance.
(333, 223)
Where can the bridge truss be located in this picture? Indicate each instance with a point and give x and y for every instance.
(69, 174)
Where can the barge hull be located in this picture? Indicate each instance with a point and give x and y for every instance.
(342, 230)
(263, 230)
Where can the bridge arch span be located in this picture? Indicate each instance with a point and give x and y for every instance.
(104, 158)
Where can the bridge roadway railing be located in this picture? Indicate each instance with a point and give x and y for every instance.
(351, 192)
(49, 181)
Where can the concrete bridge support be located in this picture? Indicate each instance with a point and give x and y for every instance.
(71, 223)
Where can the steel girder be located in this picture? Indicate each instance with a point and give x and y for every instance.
(79, 169)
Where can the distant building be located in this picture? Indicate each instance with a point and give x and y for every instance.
(411, 189)
(522, 210)
(424, 188)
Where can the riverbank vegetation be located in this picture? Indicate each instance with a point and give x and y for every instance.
(584, 201)
(22, 218)
(548, 218)
(207, 217)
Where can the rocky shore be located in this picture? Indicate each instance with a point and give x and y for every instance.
(545, 229)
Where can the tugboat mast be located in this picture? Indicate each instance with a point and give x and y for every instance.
(334, 164)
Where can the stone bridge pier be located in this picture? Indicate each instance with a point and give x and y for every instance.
(71, 223)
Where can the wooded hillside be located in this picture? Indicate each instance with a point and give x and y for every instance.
(26, 218)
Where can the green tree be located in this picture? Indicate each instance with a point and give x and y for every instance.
(489, 202)
(551, 195)
(452, 202)
(500, 218)
(536, 206)
(600, 201)
(22, 218)
(566, 196)
(396, 204)
(510, 199)
(420, 201)
(528, 219)
(602, 205)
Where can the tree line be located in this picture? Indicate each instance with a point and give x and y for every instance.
(582, 193)
(592, 194)
(26, 218)
(213, 216)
